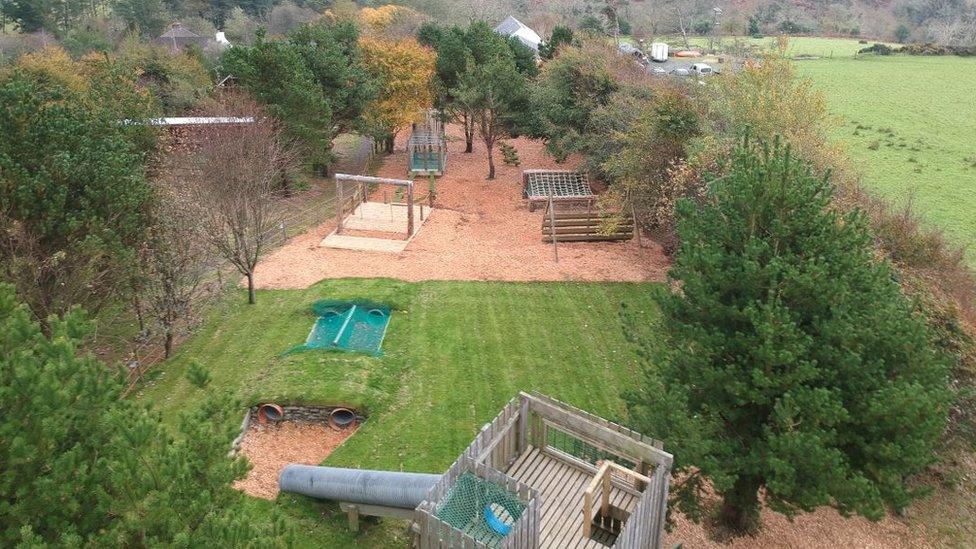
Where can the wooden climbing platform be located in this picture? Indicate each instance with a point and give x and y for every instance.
(584, 223)
(584, 482)
(561, 487)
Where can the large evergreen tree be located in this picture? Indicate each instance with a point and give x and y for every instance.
(277, 75)
(497, 95)
(463, 52)
(332, 53)
(572, 87)
(794, 364)
(84, 467)
(72, 189)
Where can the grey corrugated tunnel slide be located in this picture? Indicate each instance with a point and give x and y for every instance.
(377, 493)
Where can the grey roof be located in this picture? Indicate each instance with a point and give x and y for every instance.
(179, 31)
(509, 26)
(179, 37)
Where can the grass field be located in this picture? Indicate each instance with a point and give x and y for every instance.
(455, 353)
(910, 123)
(797, 45)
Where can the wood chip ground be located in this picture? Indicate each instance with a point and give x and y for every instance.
(270, 448)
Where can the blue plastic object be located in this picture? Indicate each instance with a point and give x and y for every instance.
(495, 523)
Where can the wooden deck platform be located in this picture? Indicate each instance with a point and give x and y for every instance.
(561, 488)
(387, 218)
(379, 218)
(363, 244)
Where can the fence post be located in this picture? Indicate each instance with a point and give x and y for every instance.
(339, 205)
(552, 225)
(633, 218)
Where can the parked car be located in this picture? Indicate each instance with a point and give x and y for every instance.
(702, 69)
(658, 71)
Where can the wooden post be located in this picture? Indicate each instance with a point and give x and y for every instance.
(409, 211)
(338, 205)
(633, 218)
(353, 518)
(587, 511)
(552, 225)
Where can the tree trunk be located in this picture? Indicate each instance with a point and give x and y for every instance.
(168, 344)
(137, 307)
(468, 134)
(388, 144)
(491, 162)
(740, 506)
(250, 288)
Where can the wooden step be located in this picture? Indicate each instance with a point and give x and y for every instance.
(588, 238)
(584, 215)
(584, 224)
(586, 230)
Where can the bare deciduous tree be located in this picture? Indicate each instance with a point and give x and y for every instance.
(174, 261)
(232, 175)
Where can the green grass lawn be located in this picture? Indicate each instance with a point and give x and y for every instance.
(455, 353)
(910, 123)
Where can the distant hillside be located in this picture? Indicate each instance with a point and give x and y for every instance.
(949, 22)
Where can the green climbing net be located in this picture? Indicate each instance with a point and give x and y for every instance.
(480, 509)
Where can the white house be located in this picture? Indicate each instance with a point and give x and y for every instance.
(513, 27)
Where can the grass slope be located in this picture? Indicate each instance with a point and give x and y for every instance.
(910, 122)
(455, 353)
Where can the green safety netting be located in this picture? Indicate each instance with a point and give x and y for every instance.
(426, 160)
(348, 326)
(582, 450)
(481, 509)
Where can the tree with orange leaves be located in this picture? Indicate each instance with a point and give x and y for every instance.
(405, 71)
(391, 21)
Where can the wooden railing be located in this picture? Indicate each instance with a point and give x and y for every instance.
(645, 526)
(530, 421)
(603, 482)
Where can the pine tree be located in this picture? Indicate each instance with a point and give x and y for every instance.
(82, 467)
(794, 364)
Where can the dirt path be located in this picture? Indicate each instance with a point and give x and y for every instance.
(479, 230)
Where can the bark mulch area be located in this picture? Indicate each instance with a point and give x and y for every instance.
(822, 528)
(479, 230)
(270, 448)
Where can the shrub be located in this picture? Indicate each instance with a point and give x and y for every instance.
(510, 155)
(702, 27)
(880, 49)
(902, 33)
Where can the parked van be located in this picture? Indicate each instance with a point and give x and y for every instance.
(659, 52)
